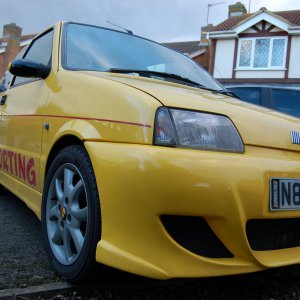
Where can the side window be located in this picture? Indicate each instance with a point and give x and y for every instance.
(40, 51)
(286, 101)
(5, 80)
(7, 77)
(248, 94)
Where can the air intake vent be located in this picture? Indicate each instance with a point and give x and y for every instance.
(273, 234)
(194, 234)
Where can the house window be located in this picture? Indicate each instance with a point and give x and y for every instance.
(262, 53)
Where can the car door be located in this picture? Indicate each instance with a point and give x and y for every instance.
(249, 94)
(22, 109)
(258, 95)
(286, 101)
(4, 83)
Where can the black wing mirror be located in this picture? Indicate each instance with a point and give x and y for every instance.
(29, 68)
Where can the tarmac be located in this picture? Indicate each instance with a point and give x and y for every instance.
(23, 261)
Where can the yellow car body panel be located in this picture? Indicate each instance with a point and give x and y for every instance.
(186, 183)
(113, 115)
(252, 121)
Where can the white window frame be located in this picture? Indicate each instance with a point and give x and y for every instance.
(269, 67)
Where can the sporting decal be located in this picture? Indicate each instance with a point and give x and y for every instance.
(18, 166)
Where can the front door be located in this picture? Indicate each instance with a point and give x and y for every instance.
(21, 125)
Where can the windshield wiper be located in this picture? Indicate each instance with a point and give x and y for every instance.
(155, 74)
(173, 77)
(227, 93)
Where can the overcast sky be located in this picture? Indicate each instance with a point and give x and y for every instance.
(159, 20)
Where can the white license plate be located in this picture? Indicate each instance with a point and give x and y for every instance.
(284, 194)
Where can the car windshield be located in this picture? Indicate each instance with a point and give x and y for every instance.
(99, 49)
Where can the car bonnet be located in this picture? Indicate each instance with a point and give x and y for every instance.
(258, 126)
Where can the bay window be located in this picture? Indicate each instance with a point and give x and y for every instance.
(262, 53)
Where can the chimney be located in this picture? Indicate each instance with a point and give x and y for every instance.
(11, 41)
(12, 32)
(237, 9)
(204, 30)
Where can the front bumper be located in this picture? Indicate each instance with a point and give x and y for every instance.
(139, 183)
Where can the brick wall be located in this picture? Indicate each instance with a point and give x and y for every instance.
(203, 59)
(12, 37)
(237, 9)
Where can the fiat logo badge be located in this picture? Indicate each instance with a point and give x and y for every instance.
(63, 213)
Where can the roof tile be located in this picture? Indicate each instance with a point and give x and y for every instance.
(291, 16)
(184, 47)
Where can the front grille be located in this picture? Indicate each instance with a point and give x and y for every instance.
(194, 234)
(273, 234)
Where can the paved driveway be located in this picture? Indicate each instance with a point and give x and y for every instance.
(23, 261)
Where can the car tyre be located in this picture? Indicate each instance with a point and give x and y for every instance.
(71, 217)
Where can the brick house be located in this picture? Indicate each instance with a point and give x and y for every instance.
(11, 44)
(262, 47)
(192, 49)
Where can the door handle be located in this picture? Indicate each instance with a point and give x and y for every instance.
(3, 100)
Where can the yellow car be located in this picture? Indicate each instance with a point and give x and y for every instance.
(134, 157)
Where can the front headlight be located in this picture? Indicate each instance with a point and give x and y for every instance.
(191, 129)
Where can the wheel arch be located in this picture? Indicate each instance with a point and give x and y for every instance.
(62, 142)
(70, 133)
